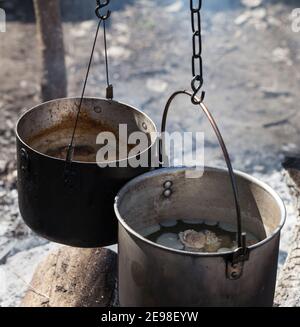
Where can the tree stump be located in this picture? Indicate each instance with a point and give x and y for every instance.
(72, 277)
(288, 288)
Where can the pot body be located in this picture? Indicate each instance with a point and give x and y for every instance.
(73, 206)
(153, 275)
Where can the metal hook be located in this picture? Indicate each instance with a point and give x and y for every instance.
(199, 101)
(99, 7)
(195, 100)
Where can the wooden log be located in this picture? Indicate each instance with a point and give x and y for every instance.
(51, 45)
(72, 277)
(288, 288)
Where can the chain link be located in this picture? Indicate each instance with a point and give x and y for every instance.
(197, 66)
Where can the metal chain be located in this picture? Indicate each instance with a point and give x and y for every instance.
(197, 69)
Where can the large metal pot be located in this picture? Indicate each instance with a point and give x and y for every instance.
(153, 275)
(73, 204)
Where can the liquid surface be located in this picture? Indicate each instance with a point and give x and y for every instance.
(54, 141)
(196, 236)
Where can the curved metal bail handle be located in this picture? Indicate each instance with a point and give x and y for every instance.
(109, 89)
(241, 237)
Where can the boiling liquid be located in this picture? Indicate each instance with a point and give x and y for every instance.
(217, 239)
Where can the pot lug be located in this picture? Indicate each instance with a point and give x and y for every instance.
(24, 160)
(235, 263)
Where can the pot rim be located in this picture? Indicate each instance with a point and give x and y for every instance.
(243, 175)
(78, 98)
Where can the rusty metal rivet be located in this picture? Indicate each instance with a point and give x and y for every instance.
(24, 159)
(168, 184)
(98, 109)
(167, 193)
(234, 274)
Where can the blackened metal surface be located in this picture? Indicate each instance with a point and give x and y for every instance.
(78, 212)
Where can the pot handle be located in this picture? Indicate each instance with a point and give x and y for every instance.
(241, 237)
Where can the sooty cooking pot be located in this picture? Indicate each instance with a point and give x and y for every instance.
(74, 209)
